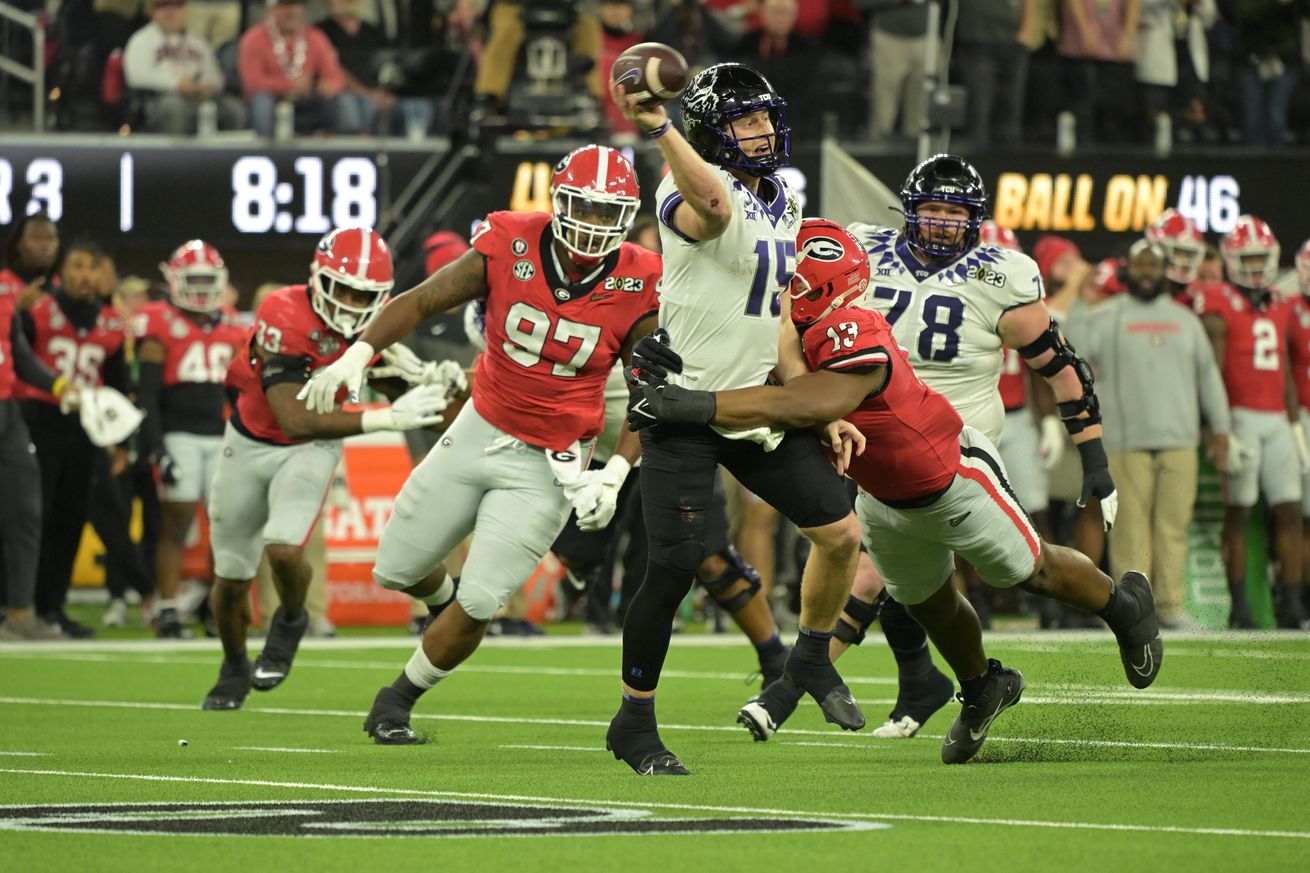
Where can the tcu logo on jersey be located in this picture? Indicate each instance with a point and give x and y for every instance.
(625, 283)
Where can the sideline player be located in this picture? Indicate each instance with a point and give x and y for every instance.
(1300, 360)
(930, 487)
(1250, 329)
(184, 347)
(278, 457)
(565, 298)
(728, 227)
(952, 304)
(1184, 250)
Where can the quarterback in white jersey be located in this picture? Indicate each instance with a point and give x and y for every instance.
(728, 226)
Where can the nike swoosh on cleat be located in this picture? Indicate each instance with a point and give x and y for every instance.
(1147, 663)
(261, 673)
(978, 735)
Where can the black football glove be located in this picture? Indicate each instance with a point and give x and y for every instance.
(652, 361)
(1097, 481)
(670, 404)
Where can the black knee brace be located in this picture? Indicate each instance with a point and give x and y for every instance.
(864, 613)
(737, 569)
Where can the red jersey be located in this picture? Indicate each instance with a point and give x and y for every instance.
(552, 342)
(196, 359)
(9, 290)
(1299, 353)
(913, 432)
(1014, 381)
(286, 325)
(77, 354)
(1255, 346)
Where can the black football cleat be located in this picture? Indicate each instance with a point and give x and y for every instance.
(764, 714)
(232, 687)
(917, 700)
(969, 731)
(274, 662)
(825, 685)
(643, 751)
(1140, 646)
(1288, 612)
(388, 721)
(169, 628)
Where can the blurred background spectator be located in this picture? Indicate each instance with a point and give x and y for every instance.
(1098, 41)
(1173, 62)
(897, 36)
(1267, 60)
(992, 59)
(283, 60)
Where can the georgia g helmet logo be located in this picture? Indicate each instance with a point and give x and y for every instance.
(823, 248)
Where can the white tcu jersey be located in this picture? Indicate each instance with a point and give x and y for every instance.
(945, 316)
(719, 299)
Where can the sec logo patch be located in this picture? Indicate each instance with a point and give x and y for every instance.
(524, 270)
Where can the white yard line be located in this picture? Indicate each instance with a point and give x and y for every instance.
(26, 754)
(592, 723)
(285, 749)
(696, 807)
(552, 748)
(1052, 694)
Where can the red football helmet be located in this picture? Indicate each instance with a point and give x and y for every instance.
(595, 197)
(1250, 253)
(196, 276)
(1108, 276)
(992, 234)
(1183, 245)
(356, 261)
(832, 271)
(1303, 266)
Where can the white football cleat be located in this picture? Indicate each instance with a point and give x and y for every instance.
(899, 729)
(116, 614)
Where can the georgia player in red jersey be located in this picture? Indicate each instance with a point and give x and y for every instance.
(184, 347)
(278, 457)
(1299, 356)
(80, 338)
(565, 298)
(929, 487)
(1184, 249)
(1250, 328)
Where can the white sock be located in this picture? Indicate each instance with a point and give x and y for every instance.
(165, 603)
(420, 671)
(444, 592)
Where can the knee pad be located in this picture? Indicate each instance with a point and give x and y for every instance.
(478, 603)
(736, 570)
(864, 614)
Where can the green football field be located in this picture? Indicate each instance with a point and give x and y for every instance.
(1208, 770)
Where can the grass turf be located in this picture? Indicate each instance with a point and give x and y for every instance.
(1206, 771)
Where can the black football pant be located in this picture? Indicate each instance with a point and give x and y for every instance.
(68, 461)
(127, 564)
(20, 508)
(678, 468)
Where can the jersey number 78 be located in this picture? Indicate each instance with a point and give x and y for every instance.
(942, 316)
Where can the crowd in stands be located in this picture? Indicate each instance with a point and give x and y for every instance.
(1220, 71)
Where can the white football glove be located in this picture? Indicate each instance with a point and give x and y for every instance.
(399, 361)
(1236, 455)
(595, 495)
(1050, 445)
(320, 392)
(1302, 450)
(417, 407)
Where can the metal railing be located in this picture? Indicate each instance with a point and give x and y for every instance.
(35, 74)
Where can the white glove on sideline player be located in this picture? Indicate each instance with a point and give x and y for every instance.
(399, 361)
(417, 407)
(595, 495)
(1050, 445)
(1302, 450)
(320, 392)
(1236, 456)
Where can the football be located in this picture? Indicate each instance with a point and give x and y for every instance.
(652, 72)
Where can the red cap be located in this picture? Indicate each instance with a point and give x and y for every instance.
(441, 248)
(1050, 249)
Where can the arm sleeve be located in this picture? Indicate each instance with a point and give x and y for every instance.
(27, 366)
(150, 379)
(1214, 398)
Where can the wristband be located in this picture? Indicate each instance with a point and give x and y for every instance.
(1093, 456)
(371, 420)
(659, 131)
(57, 389)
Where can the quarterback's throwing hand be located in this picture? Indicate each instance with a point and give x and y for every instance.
(320, 392)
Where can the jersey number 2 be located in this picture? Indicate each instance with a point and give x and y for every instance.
(1266, 344)
(525, 346)
(942, 317)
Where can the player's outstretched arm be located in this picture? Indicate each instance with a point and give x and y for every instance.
(807, 400)
(705, 210)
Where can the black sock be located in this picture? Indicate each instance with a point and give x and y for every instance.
(237, 660)
(407, 690)
(1119, 611)
(809, 664)
(770, 648)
